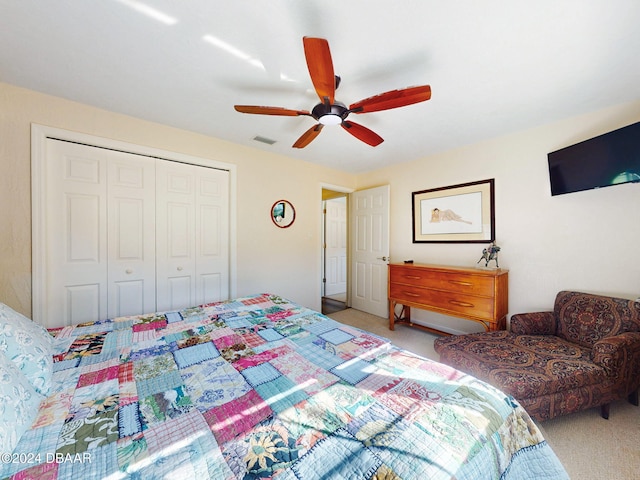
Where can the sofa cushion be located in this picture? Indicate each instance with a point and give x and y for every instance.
(585, 318)
(524, 366)
(536, 323)
(619, 354)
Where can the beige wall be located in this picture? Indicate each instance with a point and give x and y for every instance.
(283, 261)
(586, 241)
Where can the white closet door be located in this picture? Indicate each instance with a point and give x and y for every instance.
(212, 235)
(101, 234)
(128, 234)
(192, 231)
(76, 219)
(131, 211)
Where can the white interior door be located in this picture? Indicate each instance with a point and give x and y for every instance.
(192, 228)
(336, 246)
(370, 250)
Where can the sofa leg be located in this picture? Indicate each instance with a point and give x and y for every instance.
(604, 411)
(633, 398)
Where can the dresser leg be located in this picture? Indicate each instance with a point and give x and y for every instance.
(392, 315)
(404, 317)
(405, 314)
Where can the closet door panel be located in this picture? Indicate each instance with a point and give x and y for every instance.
(131, 206)
(129, 298)
(211, 286)
(178, 292)
(192, 235)
(82, 232)
(82, 302)
(176, 273)
(76, 217)
(179, 232)
(175, 240)
(212, 245)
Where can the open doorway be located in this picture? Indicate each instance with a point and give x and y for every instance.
(334, 251)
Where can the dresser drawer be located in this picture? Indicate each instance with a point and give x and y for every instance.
(456, 303)
(440, 280)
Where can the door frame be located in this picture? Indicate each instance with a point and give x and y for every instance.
(325, 264)
(39, 136)
(346, 191)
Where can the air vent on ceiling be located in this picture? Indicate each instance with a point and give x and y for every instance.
(266, 140)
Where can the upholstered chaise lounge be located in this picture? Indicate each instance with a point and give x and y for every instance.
(583, 354)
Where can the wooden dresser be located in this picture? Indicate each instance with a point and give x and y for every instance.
(470, 293)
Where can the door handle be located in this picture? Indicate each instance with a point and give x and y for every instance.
(384, 259)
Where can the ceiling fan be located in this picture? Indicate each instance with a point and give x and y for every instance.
(331, 112)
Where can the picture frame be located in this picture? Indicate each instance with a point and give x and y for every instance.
(283, 214)
(463, 213)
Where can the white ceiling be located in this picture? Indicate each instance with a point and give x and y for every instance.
(494, 66)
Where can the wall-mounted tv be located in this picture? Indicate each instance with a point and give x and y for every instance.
(609, 159)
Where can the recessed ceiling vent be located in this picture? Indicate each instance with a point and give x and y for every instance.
(266, 140)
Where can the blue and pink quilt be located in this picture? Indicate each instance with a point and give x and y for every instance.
(259, 388)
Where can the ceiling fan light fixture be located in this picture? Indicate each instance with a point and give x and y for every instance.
(330, 114)
(330, 119)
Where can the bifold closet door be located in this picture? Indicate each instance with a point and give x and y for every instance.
(131, 218)
(100, 234)
(129, 234)
(192, 231)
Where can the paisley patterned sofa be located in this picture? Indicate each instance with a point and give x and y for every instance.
(583, 354)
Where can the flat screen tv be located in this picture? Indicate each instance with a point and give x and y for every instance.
(609, 159)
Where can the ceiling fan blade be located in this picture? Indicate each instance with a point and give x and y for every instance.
(318, 55)
(308, 136)
(362, 133)
(269, 110)
(392, 99)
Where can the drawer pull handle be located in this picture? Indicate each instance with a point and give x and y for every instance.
(409, 294)
(413, 277)
(461, 304)
(458, 282)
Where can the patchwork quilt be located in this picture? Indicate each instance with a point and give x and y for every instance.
(258, 388)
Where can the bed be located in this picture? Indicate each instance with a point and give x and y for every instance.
(259, 387)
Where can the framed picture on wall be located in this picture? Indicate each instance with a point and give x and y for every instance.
(462, 213)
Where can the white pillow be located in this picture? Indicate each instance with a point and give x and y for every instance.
(19, 403)
(29, 346)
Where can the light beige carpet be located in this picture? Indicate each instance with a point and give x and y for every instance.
(589, 447)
